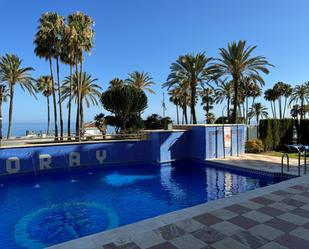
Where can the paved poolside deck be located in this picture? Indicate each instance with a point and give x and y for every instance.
(275, 216)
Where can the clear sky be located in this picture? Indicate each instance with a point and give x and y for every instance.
(150, 34)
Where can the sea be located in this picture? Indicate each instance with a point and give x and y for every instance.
(22, 129)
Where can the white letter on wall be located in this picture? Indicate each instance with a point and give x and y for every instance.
(74, 159)
(45, 161)
(100, 155)
(12, 165)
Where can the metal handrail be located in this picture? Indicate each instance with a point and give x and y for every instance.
(305, 160)
(287, 162)
(66, 139)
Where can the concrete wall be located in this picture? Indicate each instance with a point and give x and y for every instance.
(199, 143)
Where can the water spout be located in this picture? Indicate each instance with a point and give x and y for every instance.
(72, 180)
(37, 185)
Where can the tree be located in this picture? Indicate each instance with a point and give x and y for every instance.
(207, 101)
(123, 102)
(300, 94)
(89, 92)
(116, 82)
(248, 89)
(12, 73)
(259, 111)
(100, 123)
(153, 122)
(237, 62)
(282, 90)
(295, 111)
(82, 42)
(44, 85)
(175, 98)
(4, 95)
(224, 91)
(181, 89)
(48, 45)
(192, 69)
(69, 56)
(271, 96)
(141, 80)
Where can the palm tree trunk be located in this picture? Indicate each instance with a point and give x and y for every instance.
(228, 109)
(235, 104)
(54, 98)
(10, 110)
(285, 102)
(186, 114)
(302, 109)
(247, 119)
(257, 126)
(272, 109)
(177, 113)
(70, 103)
(193, 93)
(77, 131)
(48, 116)
(60, 101)
(280, 108)
(81, 115)
(275, 109)
(79, 97)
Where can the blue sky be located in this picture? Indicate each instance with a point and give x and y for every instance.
(150, 35)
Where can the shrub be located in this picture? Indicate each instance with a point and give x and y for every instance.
(254, 146)
(156, 122)
(277, 133)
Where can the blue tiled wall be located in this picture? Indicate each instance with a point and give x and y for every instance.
(200, 143)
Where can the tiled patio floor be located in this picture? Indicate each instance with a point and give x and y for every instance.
(273, 217)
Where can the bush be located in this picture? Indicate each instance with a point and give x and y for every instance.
(277, 133)
(254, 146)
(156, 122)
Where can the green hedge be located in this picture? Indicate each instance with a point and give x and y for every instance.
(277, 133)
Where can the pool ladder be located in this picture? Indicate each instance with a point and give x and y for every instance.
(287, 163)
(299, 159)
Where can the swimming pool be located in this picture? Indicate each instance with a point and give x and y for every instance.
(69, 205)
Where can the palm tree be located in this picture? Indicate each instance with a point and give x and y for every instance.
(237, 62)
(259, 111)
(82, 42)
(141, 80)
(12, 73)
(207, 101)
(248, 89)
(300, 94)
(271, 96)
(282, 90)
(48, 42)
(224, 91)
(295, 111)
(4, 95)
(193, 69)
(68, 56)
(287, 89)
(90, 92)
(116, 82)
(176, 100)
(44, 85)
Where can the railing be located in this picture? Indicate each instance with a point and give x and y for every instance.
(287, 163)
(36, 140)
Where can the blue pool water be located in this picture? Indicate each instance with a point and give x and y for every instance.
(104, 198)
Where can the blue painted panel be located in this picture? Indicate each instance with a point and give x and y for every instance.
(211, 141)
(198, 143)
